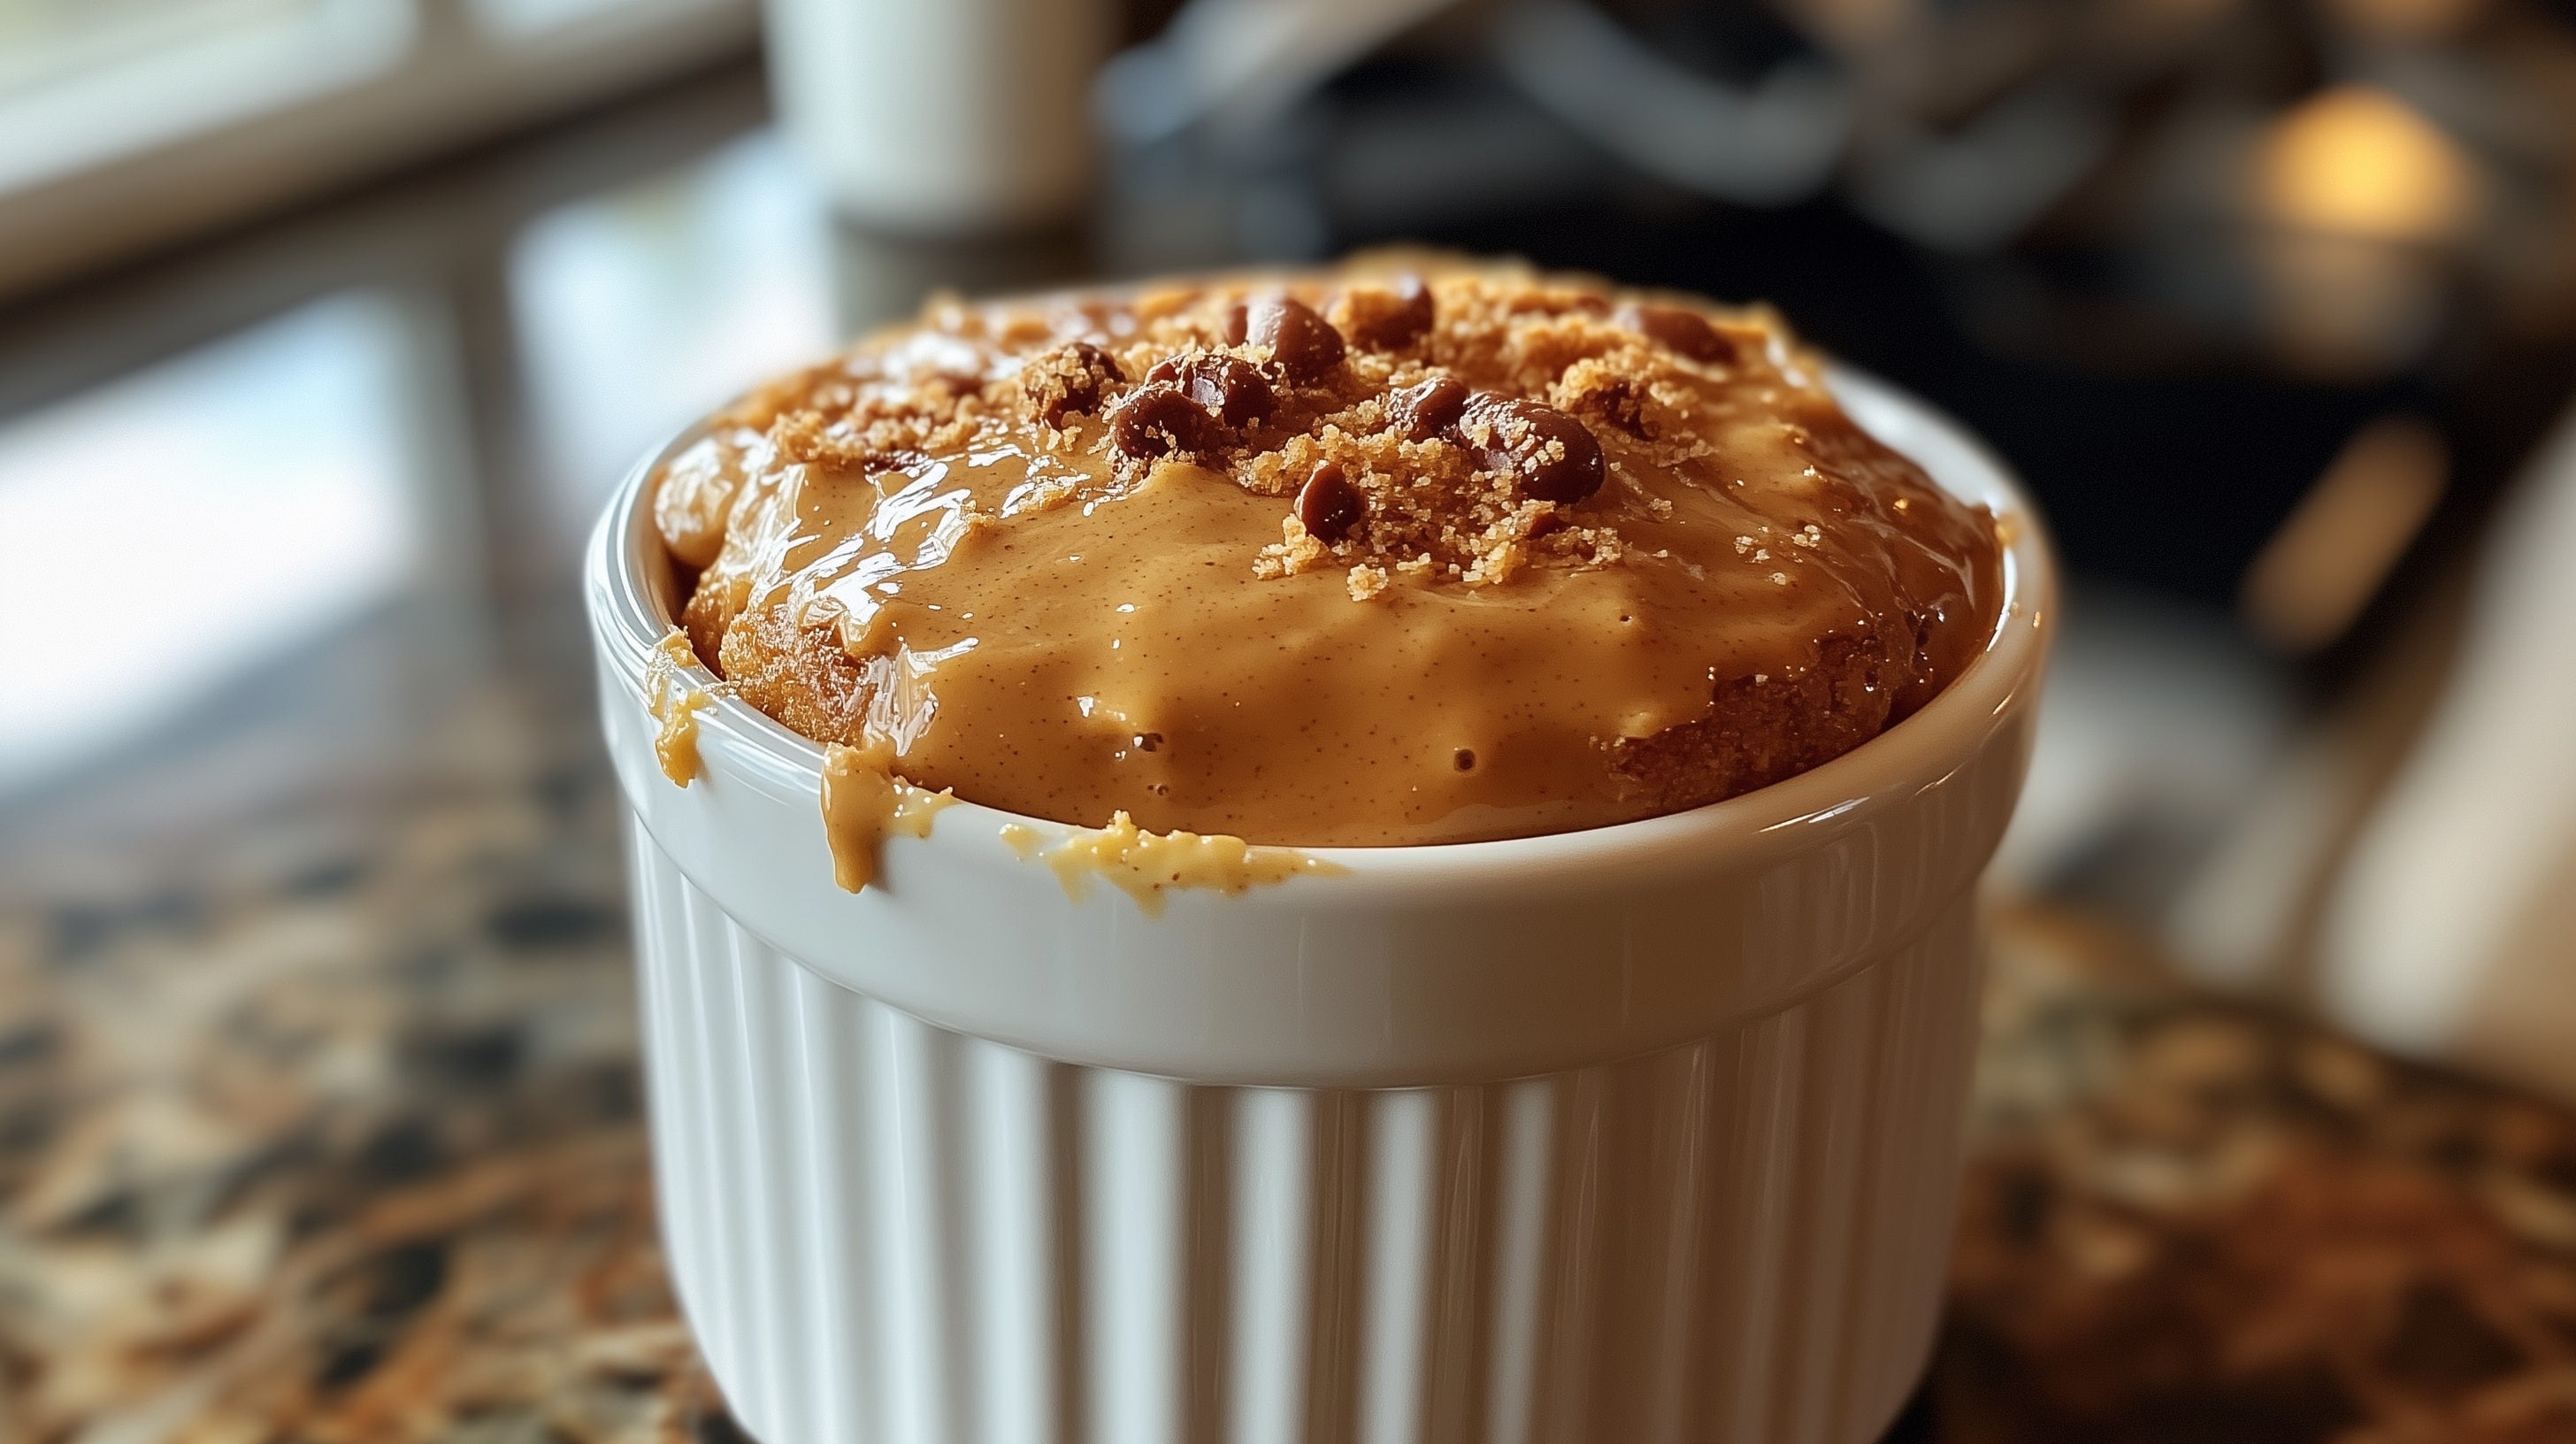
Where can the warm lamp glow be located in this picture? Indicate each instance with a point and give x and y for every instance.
(2357, 162)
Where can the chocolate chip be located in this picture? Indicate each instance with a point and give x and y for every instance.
(1155, 420)
(1546, 523)
(1069, 380)
(1149, 741)
(1553, 454)
(1231, 388)
(1683, 331)
(1381, 326)
(1303, 345)
(1329, 506)
(1426, 409)
(1234, 324)
(1464, 759)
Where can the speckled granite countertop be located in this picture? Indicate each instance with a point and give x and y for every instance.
(333, 1135)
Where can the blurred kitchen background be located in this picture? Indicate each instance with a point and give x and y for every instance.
(326, 327)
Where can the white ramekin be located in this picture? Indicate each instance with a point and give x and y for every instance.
(1643, 1133)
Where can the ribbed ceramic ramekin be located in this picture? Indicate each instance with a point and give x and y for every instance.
(1647, 1133)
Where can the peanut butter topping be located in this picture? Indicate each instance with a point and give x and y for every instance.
(1374, 556)
(864, 803)
(1145, 865)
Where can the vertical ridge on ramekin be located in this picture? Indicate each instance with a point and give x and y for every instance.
(1136, 1247)
(762, 1018)
(1459, 1302)
(665, 1101)
(1403, 1134)
(1207, 1312)
(1525, 1155)
(1069, 1358)
(821, 1047)
(915, 1179)
(1333, 1336)
(1562, 1386)
(1682, 1198)
(721, 1182)
(1273, 1207)
(1016, 1297)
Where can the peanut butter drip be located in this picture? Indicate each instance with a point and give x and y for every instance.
(1146, 865)
(1368, 557)
(864, 803)
(674, 704)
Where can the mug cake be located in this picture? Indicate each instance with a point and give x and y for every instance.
(1544, 738)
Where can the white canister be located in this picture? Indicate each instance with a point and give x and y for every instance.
(942, 116)
(1646, 1133)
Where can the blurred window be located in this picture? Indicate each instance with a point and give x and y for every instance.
(646, 306)
(85, 81)
(189, 522)
(531, 17)
(124, 121)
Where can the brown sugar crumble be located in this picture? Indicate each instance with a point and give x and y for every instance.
(1009, 536)
(1523, 377)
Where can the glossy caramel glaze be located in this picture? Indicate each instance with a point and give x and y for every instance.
(1428, 554)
